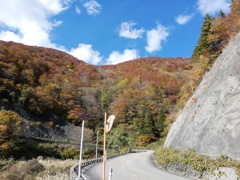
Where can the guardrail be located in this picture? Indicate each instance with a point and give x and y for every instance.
(74, 169)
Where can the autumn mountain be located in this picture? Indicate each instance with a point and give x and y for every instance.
(50, 87)
(42, 91)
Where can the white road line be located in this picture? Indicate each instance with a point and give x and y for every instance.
(124, 167)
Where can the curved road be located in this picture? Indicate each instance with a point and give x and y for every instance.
(133, 166)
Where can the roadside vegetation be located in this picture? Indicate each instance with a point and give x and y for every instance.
(38, 169)
(168, 158)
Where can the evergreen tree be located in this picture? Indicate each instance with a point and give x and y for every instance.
(149, 123)
(139, 125)
(221, 14)
(161, 120)
(119, 139)
(140, 122)
(106, 99)
(203, 44)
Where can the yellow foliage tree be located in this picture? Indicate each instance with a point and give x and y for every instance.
(10, 128)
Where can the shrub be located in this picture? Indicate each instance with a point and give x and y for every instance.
(167, 157)
(22, 170)
(4, 163)
(70, 153)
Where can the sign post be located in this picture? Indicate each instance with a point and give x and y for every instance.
(107, 127)
(82, 117)
(104, 147)
(110, 174)
(97, 146)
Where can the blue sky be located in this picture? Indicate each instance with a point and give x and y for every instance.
(103, 32)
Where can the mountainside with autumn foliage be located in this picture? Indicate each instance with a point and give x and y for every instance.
(45, 89)
(42, 91)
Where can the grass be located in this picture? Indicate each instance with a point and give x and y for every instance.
(167, 157)
(22, 170)
(39, 169)
(55, 169)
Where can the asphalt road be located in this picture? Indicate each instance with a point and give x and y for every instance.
(134, 166)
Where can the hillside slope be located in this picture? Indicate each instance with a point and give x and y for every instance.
(46, 89)
(210, 120)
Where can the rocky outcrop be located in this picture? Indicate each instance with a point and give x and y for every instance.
(210, 120)
(49, 126)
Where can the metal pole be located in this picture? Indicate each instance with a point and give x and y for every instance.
(80, 155)
(110, 174)
(97, 146)
(104, 148)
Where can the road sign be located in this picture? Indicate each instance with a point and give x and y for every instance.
(82, 116)
(110, 123)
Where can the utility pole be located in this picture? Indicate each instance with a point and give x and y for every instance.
(107, 127)
(97, 146)
(82, 117)
(104, 148)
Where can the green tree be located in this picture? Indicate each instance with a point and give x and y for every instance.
(106, 99)
(203, 45)
(221, 14)
(27, 93)
(119, 139)
(138, 125)
(160, 120)
(149, 123)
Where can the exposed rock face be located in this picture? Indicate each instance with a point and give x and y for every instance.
(210, 120)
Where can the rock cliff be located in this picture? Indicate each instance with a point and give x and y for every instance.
(210, 120)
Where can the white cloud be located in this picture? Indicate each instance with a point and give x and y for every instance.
(29, 22)
(56, 23)
(93, 7)
(78, 10)
(183, 19)
(115, 57)
(213, 7)
(127, 31)
(155, 37)
(8, 35)
(53, 6)
(86, 53)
